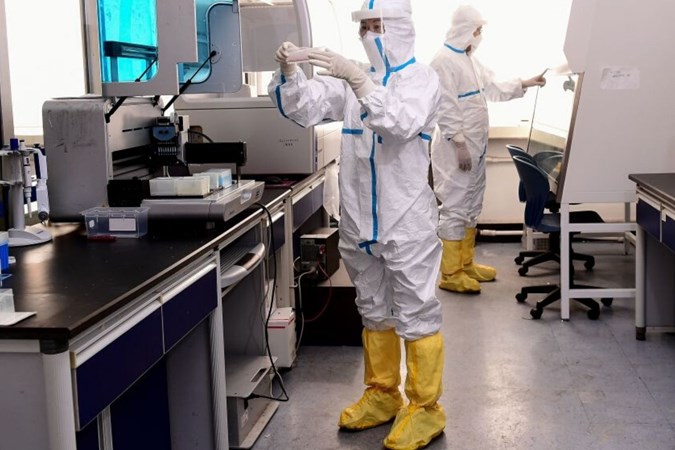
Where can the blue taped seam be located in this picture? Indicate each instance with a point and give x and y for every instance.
(469, 94)
(456, 50)
(352, 131)
(364, 115)
(278, 95)
(404, 65)
(426, 137)
(367, 244)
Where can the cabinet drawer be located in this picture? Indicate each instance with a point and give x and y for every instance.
(307, 205)
(668, 230)
(648, 217)
(124, 357)
(187, 304)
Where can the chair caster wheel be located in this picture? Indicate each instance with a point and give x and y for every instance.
(519, 260)
(593, 314)
(536, 313)
(589, 265)
(521, 297)
(522, 271)
(607, 301)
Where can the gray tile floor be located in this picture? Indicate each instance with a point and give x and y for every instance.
(511, 382)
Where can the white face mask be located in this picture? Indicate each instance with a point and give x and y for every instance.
(373, 51)
(475, 42)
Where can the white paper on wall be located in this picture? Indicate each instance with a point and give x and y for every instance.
(620, 78)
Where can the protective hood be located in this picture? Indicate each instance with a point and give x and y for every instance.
(397, 45)
(465, 20)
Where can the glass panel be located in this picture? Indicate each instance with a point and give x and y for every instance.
(553, 114)
(128, 40)
(186, 70)
(551, 124)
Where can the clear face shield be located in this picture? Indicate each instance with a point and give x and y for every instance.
(371, 33)
(372, 28)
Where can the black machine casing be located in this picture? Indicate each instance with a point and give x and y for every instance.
(320, 249)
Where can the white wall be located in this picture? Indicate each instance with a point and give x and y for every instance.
(521, 39)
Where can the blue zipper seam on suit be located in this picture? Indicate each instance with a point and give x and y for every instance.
(469, 94)
(373, 174)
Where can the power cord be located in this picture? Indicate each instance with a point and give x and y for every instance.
(270, 252)
(199, 133)
(330, 294)
(301, 310)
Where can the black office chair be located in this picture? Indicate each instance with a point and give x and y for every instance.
(551, 204)
(535, 184)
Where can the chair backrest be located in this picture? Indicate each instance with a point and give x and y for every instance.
(547, 154)
(548, 161)
(535, 182)
(514, 150)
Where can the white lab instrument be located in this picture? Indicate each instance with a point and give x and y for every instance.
(282, 147)
(20, 182)
(120, 143)
(100, 160)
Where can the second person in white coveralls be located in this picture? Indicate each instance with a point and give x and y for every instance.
(388, 237)
(459, 145)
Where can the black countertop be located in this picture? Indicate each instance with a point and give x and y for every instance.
(661, 184)
(72, 283)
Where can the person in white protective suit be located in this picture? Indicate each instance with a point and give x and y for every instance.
(459, 145)
(388, 238)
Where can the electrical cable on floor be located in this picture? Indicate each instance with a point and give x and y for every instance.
(270, 252)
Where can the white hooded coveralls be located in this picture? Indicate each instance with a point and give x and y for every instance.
(466, 86)
(388, 237)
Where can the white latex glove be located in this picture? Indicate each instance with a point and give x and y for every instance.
(338, 66)
(537, 80)
(281, 57)
(463, 156)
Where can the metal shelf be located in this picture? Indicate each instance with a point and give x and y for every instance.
(244, 373)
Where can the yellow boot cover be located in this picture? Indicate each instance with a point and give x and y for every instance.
(478, 272)
(423, 418)
(382, 399)
(453, 278)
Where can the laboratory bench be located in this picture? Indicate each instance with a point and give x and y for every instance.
(654, 253)
(157, 342)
